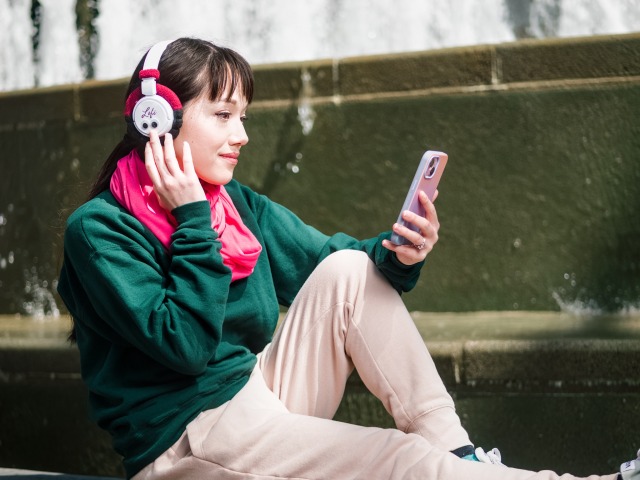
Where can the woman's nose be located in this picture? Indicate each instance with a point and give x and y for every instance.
(239, 135)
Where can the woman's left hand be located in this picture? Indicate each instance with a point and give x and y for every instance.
(423, 240)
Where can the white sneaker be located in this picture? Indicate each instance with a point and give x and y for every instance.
(631, 470)
(492, 456)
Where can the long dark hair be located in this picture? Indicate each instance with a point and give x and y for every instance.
(191, 68)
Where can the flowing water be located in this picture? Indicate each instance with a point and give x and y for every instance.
(49, 42)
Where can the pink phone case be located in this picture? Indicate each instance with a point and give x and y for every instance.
(426, 179)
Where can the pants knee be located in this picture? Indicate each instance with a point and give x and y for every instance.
(346, 262)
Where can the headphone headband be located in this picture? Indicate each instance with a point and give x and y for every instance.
(150, 73)
(152, 60)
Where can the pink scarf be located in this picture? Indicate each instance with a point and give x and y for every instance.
(133, 189)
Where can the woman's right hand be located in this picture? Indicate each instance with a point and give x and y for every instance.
(175, 186)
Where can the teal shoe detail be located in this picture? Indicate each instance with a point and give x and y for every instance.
(492, 456)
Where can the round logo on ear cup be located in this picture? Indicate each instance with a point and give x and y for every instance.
(152, 112)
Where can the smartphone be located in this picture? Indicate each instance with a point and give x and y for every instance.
(426, 180)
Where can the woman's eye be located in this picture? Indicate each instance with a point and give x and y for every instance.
(227, 116)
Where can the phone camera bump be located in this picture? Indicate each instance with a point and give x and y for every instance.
(432, 167)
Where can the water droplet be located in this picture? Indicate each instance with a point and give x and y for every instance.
(306, 117)
(306, 113)
(40, 301)
(292, 167)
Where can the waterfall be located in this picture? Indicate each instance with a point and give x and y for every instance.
(16, 52)
(42, 41)
(58, 52)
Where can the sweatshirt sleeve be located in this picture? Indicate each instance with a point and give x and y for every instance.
(170, 307)
(295, 249)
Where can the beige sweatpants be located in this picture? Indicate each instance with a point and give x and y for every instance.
(279, 425)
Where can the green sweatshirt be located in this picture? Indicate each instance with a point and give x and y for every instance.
(165, 335)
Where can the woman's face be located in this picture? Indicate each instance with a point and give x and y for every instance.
(215, 132)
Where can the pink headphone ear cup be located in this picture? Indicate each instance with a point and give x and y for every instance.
(154, 111)
(171, 98)
(132, 99)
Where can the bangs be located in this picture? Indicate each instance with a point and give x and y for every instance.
(228, 73)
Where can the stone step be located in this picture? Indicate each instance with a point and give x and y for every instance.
(535, 384)
(18, 474)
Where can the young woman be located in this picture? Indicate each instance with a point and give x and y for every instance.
(174, 274)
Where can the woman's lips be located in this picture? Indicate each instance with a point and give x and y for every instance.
(231, 157)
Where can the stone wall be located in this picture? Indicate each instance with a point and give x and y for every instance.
(551, 390)
(538, 205)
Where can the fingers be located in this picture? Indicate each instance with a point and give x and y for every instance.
(429, 207)
(426, 230)
(170, 159)
(408, 254)
(150, 164)
(161, 160)
(164, 156)
(187, 160)
(173, 185)
(157, 153)
(423, 236)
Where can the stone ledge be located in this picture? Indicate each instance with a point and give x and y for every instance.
(545, 351)
(18, 474)
(589, 57)
(538, 351)
(554, 59)
(511, 373)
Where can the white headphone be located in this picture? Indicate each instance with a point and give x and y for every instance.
(153, 104)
